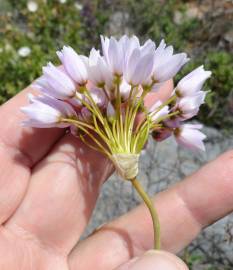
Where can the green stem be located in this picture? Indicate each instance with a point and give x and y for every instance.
(153, 212)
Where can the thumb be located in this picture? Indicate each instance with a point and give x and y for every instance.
(155, 260)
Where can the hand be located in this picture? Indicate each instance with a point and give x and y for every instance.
(49, 184)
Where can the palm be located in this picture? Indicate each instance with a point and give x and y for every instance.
(49, 184)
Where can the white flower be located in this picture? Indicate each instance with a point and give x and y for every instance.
(24, 51)
(32, 6)
(189, 136)
(158, 114)
(62, 1)
(114, 54)
(98, 70)
(167, 64)
(78, 6)
(44, 112)
(193, 82)
(56, 83)
(125, 90)
(189, 106)
(74, 65)
(139, 68)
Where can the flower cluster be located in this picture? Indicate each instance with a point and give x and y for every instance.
(99, 98)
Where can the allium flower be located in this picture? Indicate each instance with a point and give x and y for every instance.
(157, 111)
(192, 83)
(74, 65)
(167, 64)
(56, 83)
(189, 136)
(189, 106)
(47, 112)
(100, 99)
(99, 72)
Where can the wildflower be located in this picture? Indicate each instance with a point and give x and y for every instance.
(189, 136)
(74, 65)
(189, 106)
(158, 113)
(32, 6)
(78, 6)
(56, 83)
(139, 68)
(98, 70)
(192, 83)
(167, 64)
(102, 97)
(24, 51)
(44, 112)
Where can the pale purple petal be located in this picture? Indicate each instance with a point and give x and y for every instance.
(73, 64)
(190, 137)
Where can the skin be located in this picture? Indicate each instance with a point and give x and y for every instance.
(49, 185)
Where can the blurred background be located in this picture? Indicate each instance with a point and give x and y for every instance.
(32, 31)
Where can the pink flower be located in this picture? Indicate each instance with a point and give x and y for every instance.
(98, 97)
(167, 64)
(192, 83)
(189, 136)
(74, 65)
(98, 71)
(157, 114)
(56, 83)
(139, 67)
(45, 112)
(190, 105)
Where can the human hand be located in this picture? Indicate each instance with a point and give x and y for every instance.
(49, 184)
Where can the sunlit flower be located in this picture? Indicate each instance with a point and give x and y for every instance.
(167, 64)
(56, 83)
(189, 136)
(103, 95)
(47, 112)
(158, 113)
(32, 6)
(98, 70)
(74, 65)
(189, 106)
(24, 51)
(192, 83)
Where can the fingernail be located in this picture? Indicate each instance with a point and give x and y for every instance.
(155, 260)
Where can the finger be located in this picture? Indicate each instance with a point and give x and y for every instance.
(61, 195)
(151, 260)
(183, 209)
(162, 94)
(20, 149)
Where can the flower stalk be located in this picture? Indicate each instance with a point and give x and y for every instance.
(154, 215)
